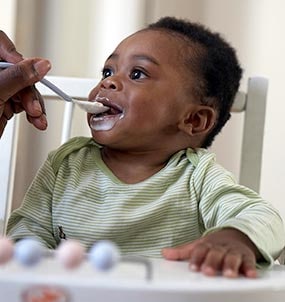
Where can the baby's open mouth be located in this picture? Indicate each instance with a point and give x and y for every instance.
(111, 111)
(106, 120)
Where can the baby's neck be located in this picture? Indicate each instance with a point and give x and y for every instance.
(132, 167)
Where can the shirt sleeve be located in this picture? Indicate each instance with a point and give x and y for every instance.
(34, 218)
(224, 203)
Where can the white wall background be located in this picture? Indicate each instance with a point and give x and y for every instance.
(77, 36)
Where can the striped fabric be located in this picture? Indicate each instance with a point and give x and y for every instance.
(75, 195)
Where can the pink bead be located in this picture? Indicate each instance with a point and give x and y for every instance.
(70, 253)
(6, 250)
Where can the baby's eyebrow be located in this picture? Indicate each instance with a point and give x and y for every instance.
(146, 58)
(136, 57)
(112, 56)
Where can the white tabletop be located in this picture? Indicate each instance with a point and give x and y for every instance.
(171, 281)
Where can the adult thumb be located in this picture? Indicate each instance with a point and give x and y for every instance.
(23, 74)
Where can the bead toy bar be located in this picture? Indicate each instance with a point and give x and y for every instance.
(103, 255)
(31, 273)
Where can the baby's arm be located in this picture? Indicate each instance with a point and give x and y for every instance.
(228, 251)
(34, 218)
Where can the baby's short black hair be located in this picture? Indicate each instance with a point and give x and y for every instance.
(217, 68)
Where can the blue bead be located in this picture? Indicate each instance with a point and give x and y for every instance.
(28, 252)
(104, 255)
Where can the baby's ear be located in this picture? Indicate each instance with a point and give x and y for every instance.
(199, 121)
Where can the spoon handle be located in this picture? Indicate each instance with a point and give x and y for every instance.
(56, 90)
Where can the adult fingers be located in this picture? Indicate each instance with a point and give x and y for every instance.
(31, 101)
(21, 75)
(8, 50)
(33, 104)
(3, 122)
(8, 110)
(39, 122)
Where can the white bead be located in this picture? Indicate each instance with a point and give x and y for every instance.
(70, 253)
(104, 255)
(28, 251)
(6, 250)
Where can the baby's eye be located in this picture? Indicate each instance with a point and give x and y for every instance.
(137, 74)
(107, 72)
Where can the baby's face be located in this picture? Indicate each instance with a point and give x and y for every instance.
(144, 83)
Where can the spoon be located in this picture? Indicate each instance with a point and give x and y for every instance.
(92, 107)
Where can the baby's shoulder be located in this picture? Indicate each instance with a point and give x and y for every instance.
(72, 146)
(206, 165)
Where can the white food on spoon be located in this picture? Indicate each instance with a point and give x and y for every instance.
(91, 107)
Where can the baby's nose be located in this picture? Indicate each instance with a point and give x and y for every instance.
(110, 83)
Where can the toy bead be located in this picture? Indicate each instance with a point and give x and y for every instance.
(70, 253)
(28, 252)
(104, 255)
(6, 250)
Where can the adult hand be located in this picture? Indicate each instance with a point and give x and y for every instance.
(227, 251)
(16, 91)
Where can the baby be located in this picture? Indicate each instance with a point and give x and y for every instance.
(145, 179)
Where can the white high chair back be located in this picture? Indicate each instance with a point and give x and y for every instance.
(252, 103)
(7, 169)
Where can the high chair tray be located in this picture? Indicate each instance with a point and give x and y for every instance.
(171, 281)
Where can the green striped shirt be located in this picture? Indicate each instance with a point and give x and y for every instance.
(76, 194)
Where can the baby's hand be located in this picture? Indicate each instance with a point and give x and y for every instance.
(228, 251)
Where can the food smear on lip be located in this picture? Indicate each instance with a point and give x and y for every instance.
(106, 120)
